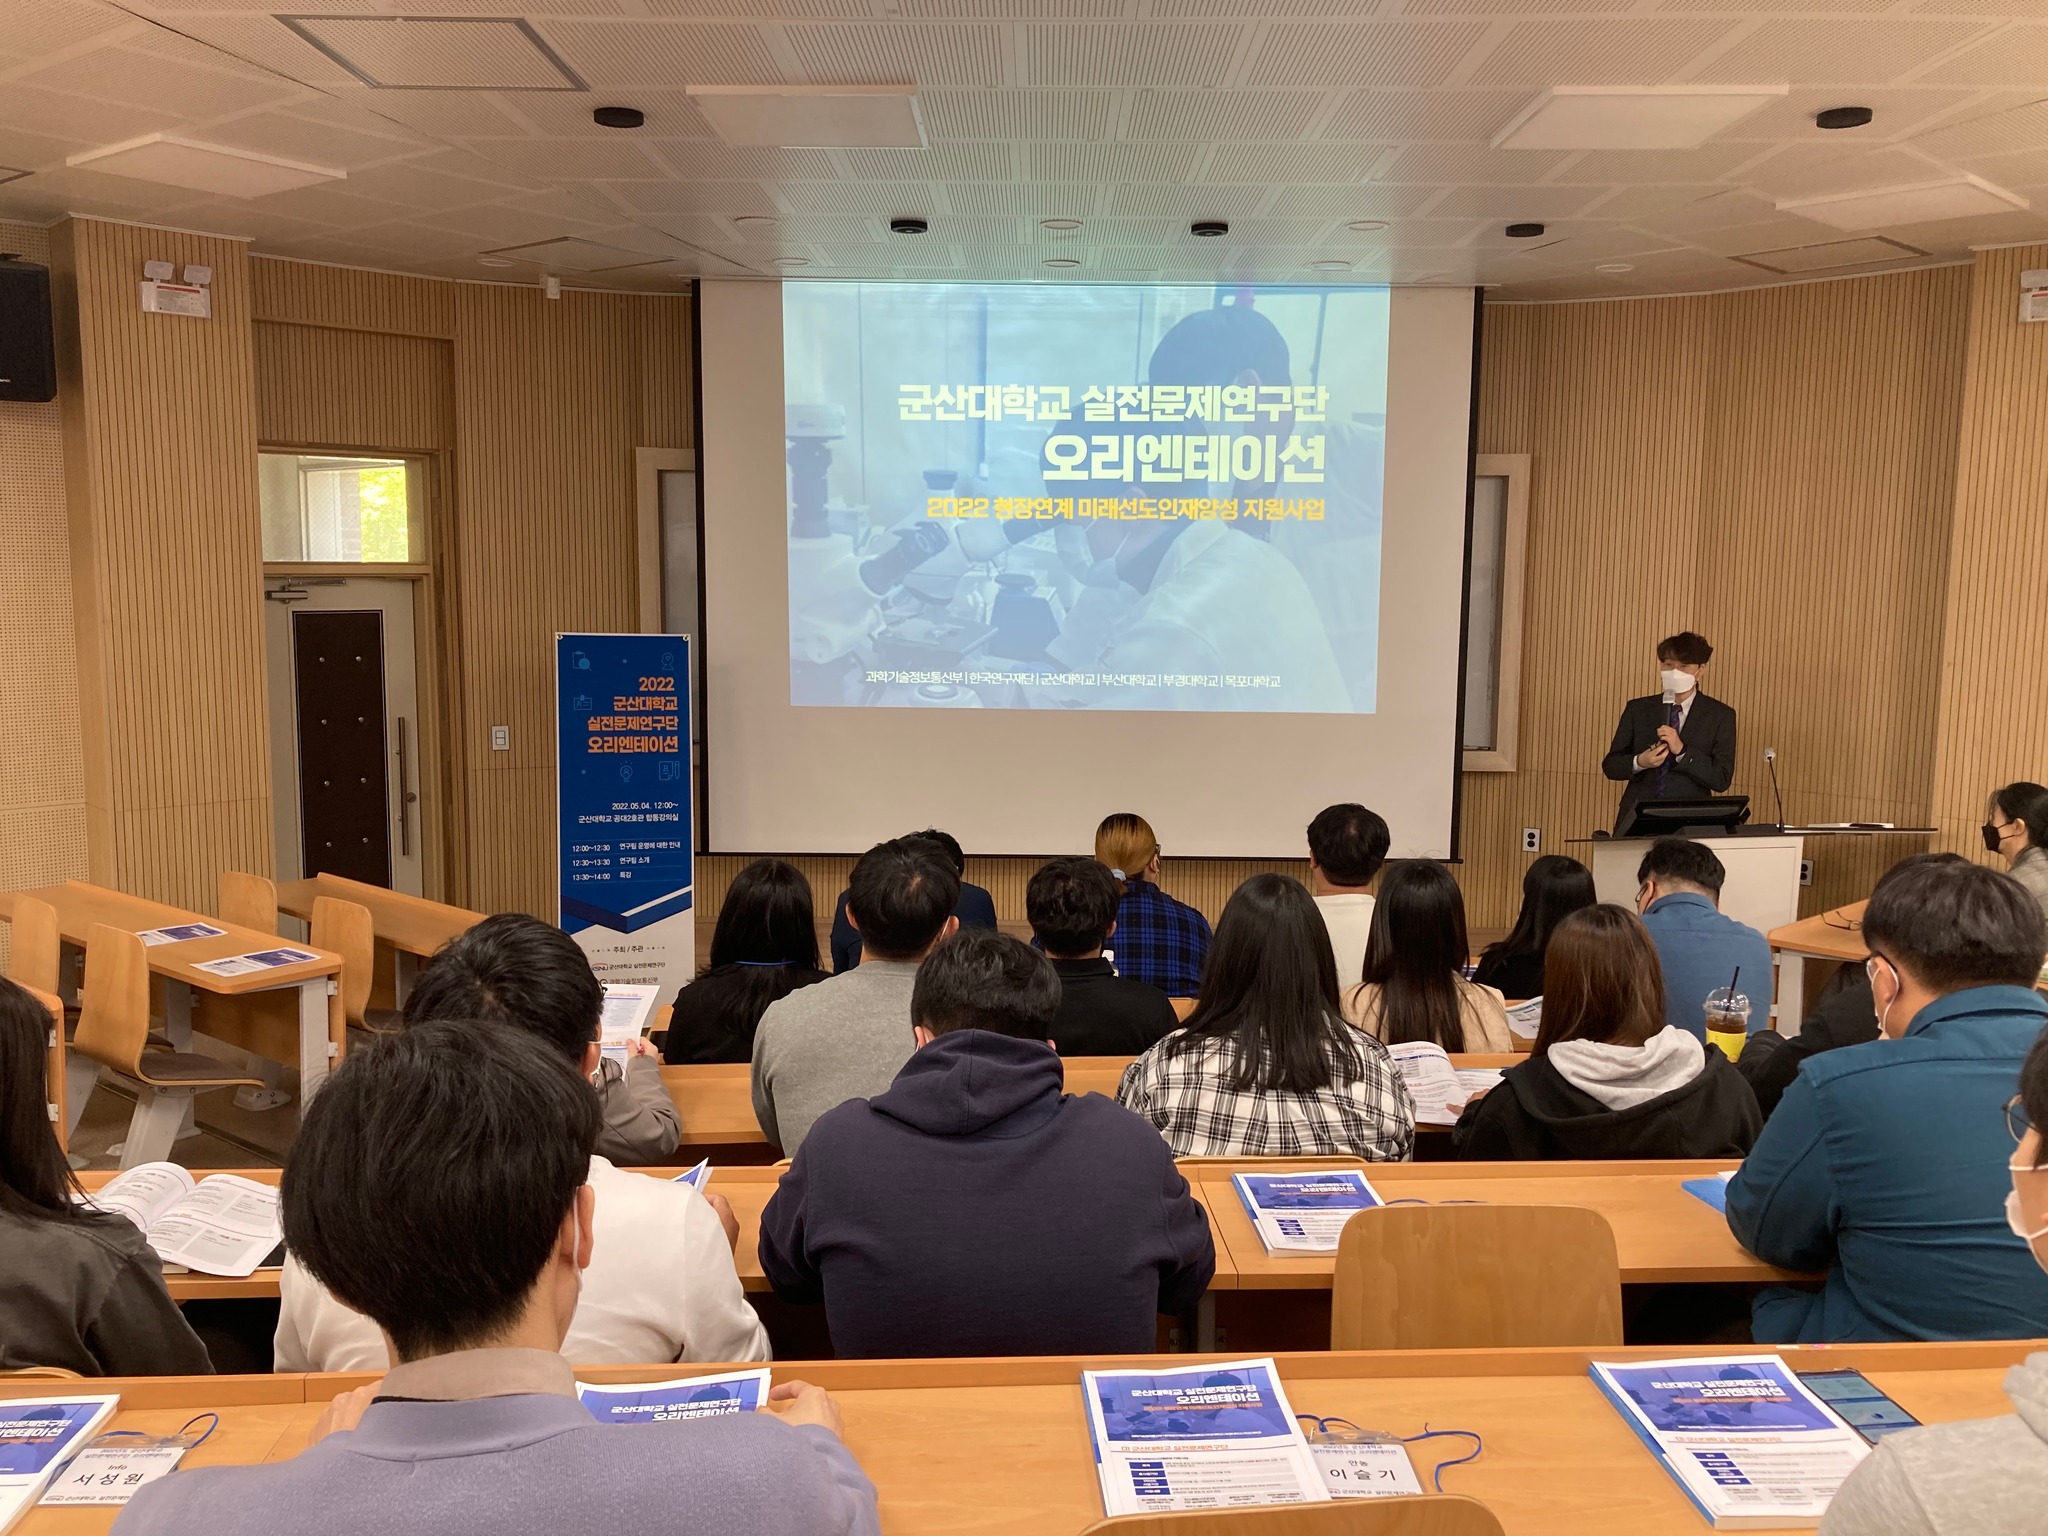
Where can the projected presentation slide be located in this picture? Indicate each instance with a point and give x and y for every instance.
(1077, 497)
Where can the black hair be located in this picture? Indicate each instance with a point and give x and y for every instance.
(2034, 1091)
(1269, 989)
(950, 843)
(900, 896)
(766, 919)
(982, 979)
(35, 1180)
(2024, 801)
(517, 970)
(1349, 843)
(1955, 924)
(1213, 346)
(431, 1176)
(1071, 904)
(1415, 953)
(1685, 648)
(1553, 888)
(1680, 858)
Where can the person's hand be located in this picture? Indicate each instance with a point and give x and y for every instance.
(343, 1412)
(640, 1045)
(798, 1402)
(1653, 757)
(1669, 737)
(726, 1219)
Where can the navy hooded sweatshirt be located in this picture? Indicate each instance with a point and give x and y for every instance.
(975, 1209)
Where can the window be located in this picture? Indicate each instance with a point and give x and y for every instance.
(341, 509)
(1493, 614)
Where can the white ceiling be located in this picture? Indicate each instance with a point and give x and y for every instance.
(1289, 118)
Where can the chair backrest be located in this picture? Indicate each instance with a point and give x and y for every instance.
(344, 928)
(113, 1024)
(40, 1373)
(1436, 1514)
(57, 1088)
(38, 951)
(248, 901)
(1475, 1277)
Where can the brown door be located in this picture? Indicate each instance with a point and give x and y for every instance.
(344, 806)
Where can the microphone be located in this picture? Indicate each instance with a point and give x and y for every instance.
(1771, 762)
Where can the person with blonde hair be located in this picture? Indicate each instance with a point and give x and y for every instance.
(1159, 941)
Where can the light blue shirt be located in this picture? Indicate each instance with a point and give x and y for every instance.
(1700, 948)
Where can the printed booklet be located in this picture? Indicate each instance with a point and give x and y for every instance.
(1203, 1437)
(627, 1008)
(37, 1436)
(221, 1225)
(1435, 1084)
(1304, 1211)
(670, 1402)
(1746, 1440)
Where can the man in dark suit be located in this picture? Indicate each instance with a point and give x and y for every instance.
(1679, 745)
(976, 908)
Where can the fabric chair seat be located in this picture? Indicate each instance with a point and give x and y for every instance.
(186, 1069)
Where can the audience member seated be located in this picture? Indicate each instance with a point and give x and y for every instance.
(764, 947)
(1266, 1066)
(847, 1037)
(975, 908)
(438, 1187)
(80, 1289)
(1072, 907)
(2010, 830)
(514, 969)
(1983, 1476)
(1679, 893)
(975, 1209)
(1843, 1014)
(1609, 1078)
(662, 1286)
(1553, 888)
(1414, 986)
(1159, 941)
(1885, 1163)
(1347, 844)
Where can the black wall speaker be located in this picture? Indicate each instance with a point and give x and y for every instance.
(28, 349)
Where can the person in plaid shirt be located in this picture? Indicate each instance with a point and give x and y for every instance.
(1159, 941)
(1266, 1066)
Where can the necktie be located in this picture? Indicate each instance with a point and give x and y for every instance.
(1664, 768)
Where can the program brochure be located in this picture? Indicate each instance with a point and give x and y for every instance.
(1303, 1211)
(671, 1402)
(220, 1225)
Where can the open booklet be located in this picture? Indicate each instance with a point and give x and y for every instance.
(1438, 1088)
(1525, 1019)
(1303, 1211)
(37, 1437)
(1744, 1438)
(219, 1225)
(627, 1009)
(670, 1402)
(1217, 1436)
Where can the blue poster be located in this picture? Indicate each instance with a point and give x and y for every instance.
(622, 726)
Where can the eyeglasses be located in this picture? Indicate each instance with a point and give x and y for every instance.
(2016, 1119)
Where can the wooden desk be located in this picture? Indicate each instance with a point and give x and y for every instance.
(187, 1285)
(1836, 935)
(412, 927)
(1000, 1447)
(321, 1028)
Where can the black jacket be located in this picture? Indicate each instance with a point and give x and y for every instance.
(1104, 1014)
(975, 909)
(1535, 1115)
(1845, 1015)
(1706, 767)
(975, 1209)
(1516, 977)
(715, 1016)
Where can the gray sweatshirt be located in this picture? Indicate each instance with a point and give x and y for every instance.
(1984, 1477)
(845, 1038)
(640, 1121)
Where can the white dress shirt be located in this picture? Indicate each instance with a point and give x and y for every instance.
(1348, 916)
(660, 1287)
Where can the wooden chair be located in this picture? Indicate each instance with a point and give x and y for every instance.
(113, 1032)
(248, 901)
(1435, 1514)
(39, 1373)
(345, 929)
(37, 957)
(1475, 1277)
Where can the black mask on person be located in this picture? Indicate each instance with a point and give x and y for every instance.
(1991, 837)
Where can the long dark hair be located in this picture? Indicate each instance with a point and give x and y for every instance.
(767, 938)
(35, 1180)
(2026, 802)
(1415, 952)
(1553, 888)
(1601, 980)
(1270, 990)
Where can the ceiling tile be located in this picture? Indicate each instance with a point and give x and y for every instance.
(1468, 117)
(693, 197)
(1011, 115)
(1207, 202)
(2016, 56)
(1802, 171)
(574, 159)
(1829, 53)
(1997, 133)
(35, 151)
(879, 54)
(1514, 202)
(1026, 10)
(451, 114)
(294, 138)
(1206, 116)
(50, 25)
(1279, 163)
(1458, 162)
(885, 199)
(1114, 162)
(663, 53)
(1621, 51)
(1785, 7)
(947, 162)
(263, 41)
(74, 117)
(670, 115)
(722, 162)
(1033, 202)
(1351, 202)
(1362, 54)
(1898, 110)
(1709, 163)
(118, 76)
(1190, 56)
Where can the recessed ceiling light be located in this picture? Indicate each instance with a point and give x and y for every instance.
(1061, 261)
(1208, 229)
(1365, 226)
(1060, 226)
(171, 160)
(909, 224)
(1616, 266)
(1956, 197)
(754, 220)
(493, 261)
(1329, 266)
(1632, 117)
(789, 261)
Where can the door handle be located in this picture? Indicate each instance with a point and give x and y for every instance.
(406, 797)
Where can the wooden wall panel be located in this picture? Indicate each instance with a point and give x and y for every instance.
(350, 298)
(159, 419)
(320, 387)
(42, 793)
(1992, 729)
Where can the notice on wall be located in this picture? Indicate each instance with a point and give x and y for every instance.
(623, 805)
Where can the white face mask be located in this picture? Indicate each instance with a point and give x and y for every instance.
(1870, 974)
(1675, 681)
(2016, 1215)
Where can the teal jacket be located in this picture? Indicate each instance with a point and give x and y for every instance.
(1885, 1165)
